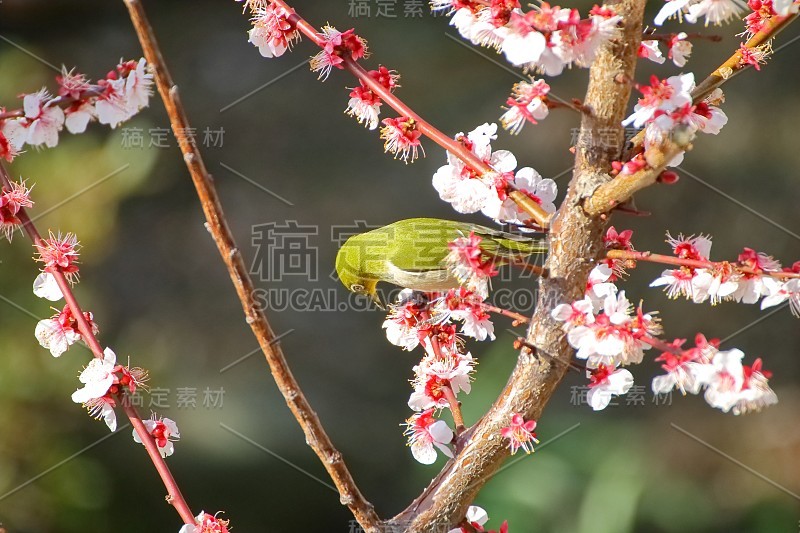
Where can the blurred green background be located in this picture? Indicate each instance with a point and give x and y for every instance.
(160, 294)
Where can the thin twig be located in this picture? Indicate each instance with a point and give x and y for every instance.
(217, 225)
(727, 70)
(539, 215)
(694, 263)
(175, 497)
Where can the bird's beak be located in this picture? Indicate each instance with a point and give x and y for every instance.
(377, 300)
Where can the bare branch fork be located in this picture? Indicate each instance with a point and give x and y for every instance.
(316, 437)
(575, 237)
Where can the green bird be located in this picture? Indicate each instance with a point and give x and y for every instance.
(411, 253)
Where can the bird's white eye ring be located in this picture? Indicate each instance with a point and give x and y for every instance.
(356, 287)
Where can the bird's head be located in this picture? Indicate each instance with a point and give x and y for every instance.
(351, 272)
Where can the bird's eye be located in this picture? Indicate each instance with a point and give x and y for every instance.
(356, 287)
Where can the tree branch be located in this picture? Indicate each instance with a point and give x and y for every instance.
(575, 237)
(622, 187)
(316, 437)
(536, 212)
(175, 497)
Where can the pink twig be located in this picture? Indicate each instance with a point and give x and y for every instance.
(175, 497)
(538, 214)
(692, 263)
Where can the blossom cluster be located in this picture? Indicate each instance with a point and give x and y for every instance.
(546, 39)
(430, 320)
(729, 385)
(468, 192)
(666, 105)
(608, 333)
(112, 100)
(755, 276)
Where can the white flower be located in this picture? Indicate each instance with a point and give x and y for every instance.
(666, 95)
(606, 384)
(97, 377)
(45, 286)
(650, 50)
(261, 37)
(780, 292)
(525, 49)
(112, 108)
(528, 181)
(138, 87)
(670, 9)
(426, 434)
(725, 381)
(78, 117)
(54, 336)
(475, 515)
(785, 7)
(716, 11)
(598, 288)
(164, 432)
(680, 49)
(43, 121)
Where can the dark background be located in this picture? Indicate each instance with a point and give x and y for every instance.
(160, 294)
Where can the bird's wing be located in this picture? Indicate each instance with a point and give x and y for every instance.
(420, 280)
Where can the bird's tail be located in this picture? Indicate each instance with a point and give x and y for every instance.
(515, 248)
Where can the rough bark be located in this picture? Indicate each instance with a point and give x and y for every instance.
(576, 240)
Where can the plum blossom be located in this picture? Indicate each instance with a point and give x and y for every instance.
(59, 253)
(527, 103)
(41, 123)
(715, 11)
(364, 104)
(461, 186)
(435, 372)
(404, 321)
(13, 198)
(401, 138)
(45, 286)
(685, 369)
(649, 50)
(475, 517)
(680, 48)
(337, 46)
(779, 292)
(470, 265)
(426, 435)
(613, 336)
(502, 208)
(124, 92)
(605, 382)
(465, 306)
(272, 32)
(520, 434)
(206, 523)
(661, 95)
(60, 331)
(164, 432)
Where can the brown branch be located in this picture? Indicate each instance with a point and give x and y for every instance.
(316, 437)
(734, 65)
(727, 70)
(621, 188)
(574, 235)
